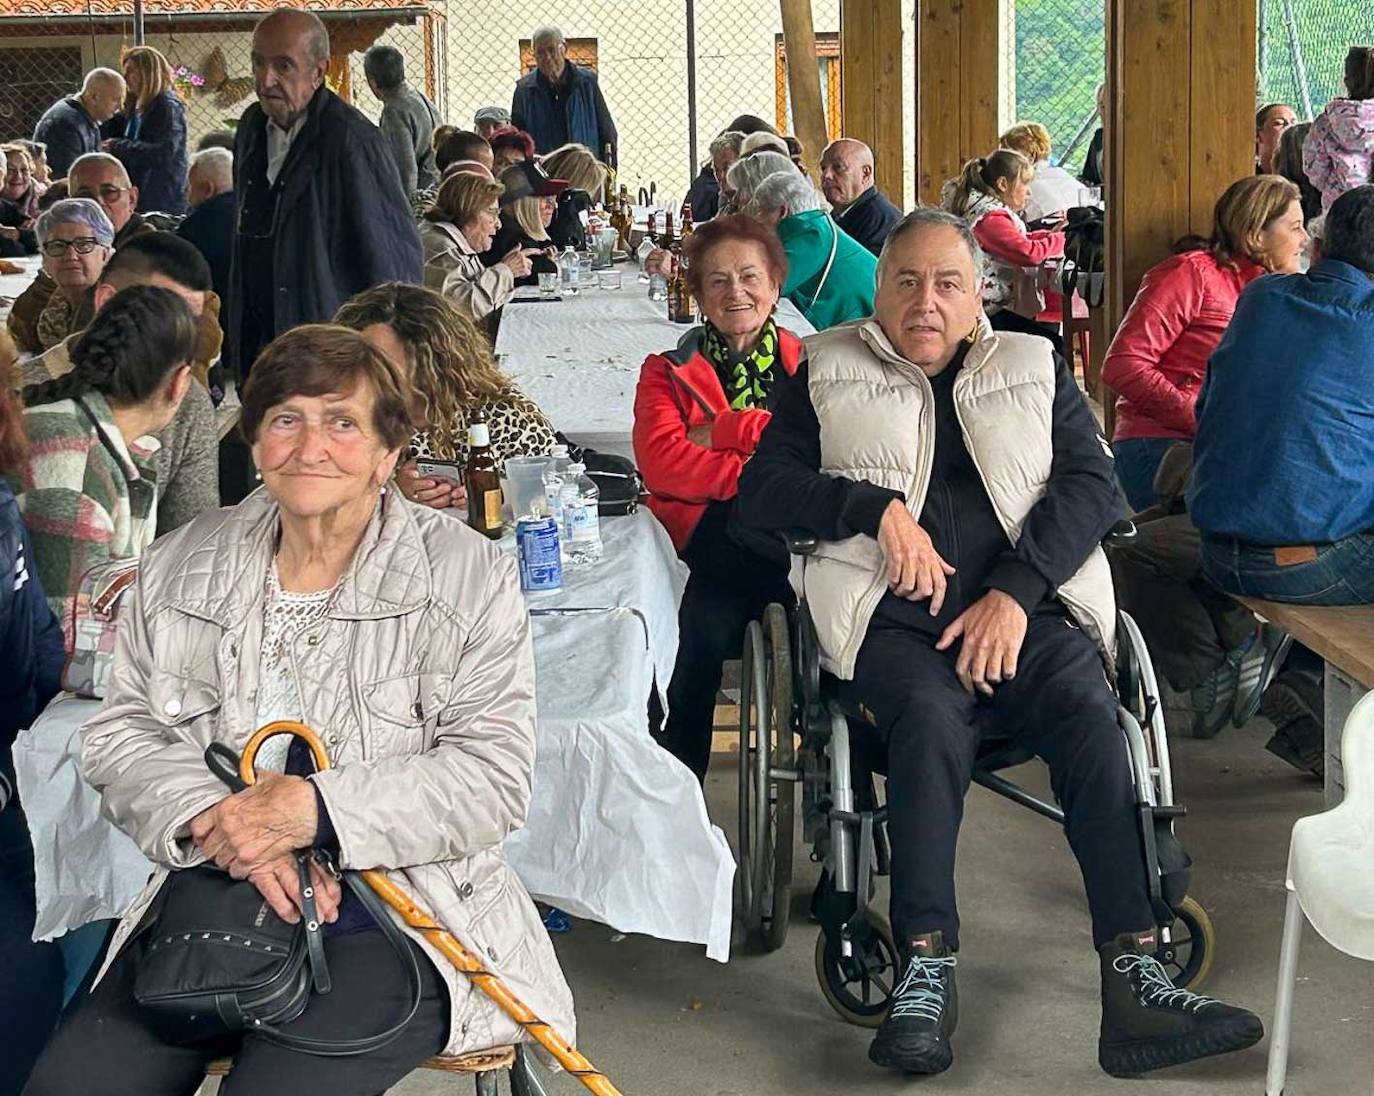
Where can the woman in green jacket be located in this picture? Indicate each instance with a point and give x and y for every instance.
(830, 275)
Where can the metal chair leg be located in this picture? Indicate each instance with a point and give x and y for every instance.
(523, 1079)
(1283, 1005)
(486, 1084)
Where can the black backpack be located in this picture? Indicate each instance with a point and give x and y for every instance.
(1085, 252)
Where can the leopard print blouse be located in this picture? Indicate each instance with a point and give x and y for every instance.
(517, 426)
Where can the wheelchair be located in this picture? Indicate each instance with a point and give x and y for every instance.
(794, 731)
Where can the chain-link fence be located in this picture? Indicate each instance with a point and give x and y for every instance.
(1302, 49)
(673, 72)
(44, 56)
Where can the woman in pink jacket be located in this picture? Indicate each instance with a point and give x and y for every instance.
(1158, 359)
(990, 194)
(1339, 152)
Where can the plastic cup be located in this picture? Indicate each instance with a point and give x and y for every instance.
(609, 279)
(548, 285)
(526, 478)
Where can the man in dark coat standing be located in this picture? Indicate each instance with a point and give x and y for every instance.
(561, 102)
(71, 126)
(321, 212)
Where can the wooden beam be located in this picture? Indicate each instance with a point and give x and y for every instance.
(804, 82)
(957, 64)
(1179, 126)
(871, 85)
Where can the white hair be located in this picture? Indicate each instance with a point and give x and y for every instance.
(931, 217)
(729, 141)
(547, 33)
(792, 191)
(763, 141)
(91, 159)
(217, 165)
(748, 172)
(75, 211)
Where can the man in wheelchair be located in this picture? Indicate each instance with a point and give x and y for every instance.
(992, 613)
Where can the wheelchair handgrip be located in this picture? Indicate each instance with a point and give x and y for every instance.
(1121, 534)
(800, 542)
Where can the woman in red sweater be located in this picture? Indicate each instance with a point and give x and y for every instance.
(1158, 359)
(990, 194)
(699, 411)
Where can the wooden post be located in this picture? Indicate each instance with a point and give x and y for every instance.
(1179, 126)
(804, 81)
(957, 65)
(871, 85)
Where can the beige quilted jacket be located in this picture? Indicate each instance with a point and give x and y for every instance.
(421, 682)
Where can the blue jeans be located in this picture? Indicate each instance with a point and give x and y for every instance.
(1137, 461)
(1341, 574)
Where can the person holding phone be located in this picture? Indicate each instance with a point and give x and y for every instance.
(453, 374)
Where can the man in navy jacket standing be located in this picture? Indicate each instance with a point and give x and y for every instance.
(561, 102)
(321, 211)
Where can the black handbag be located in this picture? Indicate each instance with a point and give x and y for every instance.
(616, 478)
(215, 959)
(1085, 253)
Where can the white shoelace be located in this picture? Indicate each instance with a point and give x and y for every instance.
(918, 994)
(1155, 986)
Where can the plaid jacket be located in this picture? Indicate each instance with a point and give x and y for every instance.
(86, 496)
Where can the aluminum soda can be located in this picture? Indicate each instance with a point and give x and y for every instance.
(541, 568)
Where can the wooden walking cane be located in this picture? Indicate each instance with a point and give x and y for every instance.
(568, 1056)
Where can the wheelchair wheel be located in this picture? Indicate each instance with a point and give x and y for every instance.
(860, 988)
(766, 802)
(1189, 954)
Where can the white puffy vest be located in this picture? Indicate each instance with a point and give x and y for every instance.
(877, 424)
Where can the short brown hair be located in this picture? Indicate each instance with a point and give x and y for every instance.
(319, 358)
(1030, 139)
(462, 197)
(733, 228)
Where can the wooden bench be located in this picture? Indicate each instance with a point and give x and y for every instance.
(1344, 638)
(485, 1066)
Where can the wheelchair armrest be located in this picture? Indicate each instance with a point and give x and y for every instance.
(1121, 534)
(800, 542)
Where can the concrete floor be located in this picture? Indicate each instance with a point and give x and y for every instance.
(662, 1020)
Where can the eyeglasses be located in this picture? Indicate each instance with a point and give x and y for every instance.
(82, 245)
(107, 193)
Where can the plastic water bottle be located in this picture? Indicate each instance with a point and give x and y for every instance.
(569, 273)
(581, 516)
(553, 486)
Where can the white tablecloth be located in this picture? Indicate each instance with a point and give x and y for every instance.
(617, 830)
(579, 358)
(11, 285)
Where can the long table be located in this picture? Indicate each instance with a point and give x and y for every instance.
(11, 285)
(579, 358)
(617, 829)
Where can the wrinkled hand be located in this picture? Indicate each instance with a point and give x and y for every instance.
(278, 881)
(915, 570)
(439, 494)
(700, 435)
(265, 822)
(993, 629)
(659, 261)
(517, 260)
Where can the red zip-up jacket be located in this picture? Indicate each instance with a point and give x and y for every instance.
(1004, 238)
(677, 391)
(1158, 358)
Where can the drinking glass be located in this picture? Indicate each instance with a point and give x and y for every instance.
(548, 285)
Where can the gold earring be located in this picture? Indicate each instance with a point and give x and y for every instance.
(972, 336)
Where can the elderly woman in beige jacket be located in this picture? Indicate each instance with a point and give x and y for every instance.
(456, 230)
(401, 637)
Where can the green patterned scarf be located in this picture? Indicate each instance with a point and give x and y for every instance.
(746, 378)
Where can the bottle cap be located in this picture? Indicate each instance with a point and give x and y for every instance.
(558, 451)
(576, 469)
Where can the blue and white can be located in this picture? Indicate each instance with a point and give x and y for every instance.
(541, 568)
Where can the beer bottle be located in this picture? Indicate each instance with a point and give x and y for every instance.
(686, 221)
(668, 241)
(681, 306)
(608, 191)
(483, 480)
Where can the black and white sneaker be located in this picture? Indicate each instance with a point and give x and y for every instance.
(1149, 1023)
(925, 1009)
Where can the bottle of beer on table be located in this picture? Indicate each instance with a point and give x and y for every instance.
(668, 241)
(681, 307)
(483, 481)
(686, 220)
(608, 191)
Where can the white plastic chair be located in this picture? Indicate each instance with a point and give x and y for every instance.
(1330, 878)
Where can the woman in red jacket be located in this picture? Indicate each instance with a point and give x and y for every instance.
(1158, 359)
(699, 411)
(990, 194)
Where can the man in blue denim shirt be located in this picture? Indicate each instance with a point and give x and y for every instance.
(1283, 476)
